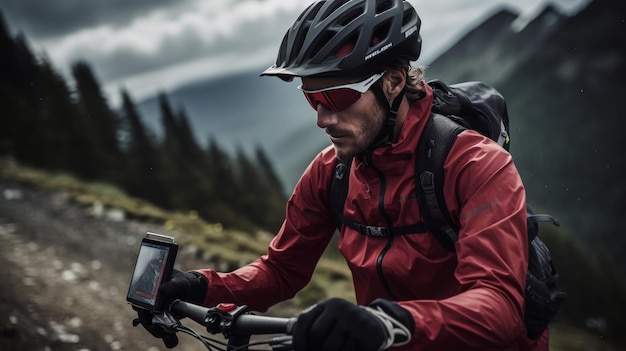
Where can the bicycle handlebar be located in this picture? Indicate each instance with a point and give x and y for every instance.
(236, 323)
(233, 319)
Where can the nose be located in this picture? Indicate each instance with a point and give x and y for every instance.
(325, 116)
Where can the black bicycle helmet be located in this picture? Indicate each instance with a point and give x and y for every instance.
(378, 31)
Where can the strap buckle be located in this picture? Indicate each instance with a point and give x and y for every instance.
(370, 230)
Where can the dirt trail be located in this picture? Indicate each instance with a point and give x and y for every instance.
(65, 273)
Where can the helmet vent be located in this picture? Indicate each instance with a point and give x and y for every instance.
(349, 16)
(347, 46)
(299, 40)
(383, 6)
(332, 7)
(319, 43)
(409, 17)
(281, 53)
(381, 33)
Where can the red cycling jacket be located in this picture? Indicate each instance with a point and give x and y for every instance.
(468, 300)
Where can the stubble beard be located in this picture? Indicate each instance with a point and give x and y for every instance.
(365, 136)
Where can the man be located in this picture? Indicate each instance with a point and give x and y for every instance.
(353, 60)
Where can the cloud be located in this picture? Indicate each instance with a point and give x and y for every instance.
(47, 19)
(162, 37)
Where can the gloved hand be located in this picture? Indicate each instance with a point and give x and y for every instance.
(187, 286)
(337, 324)
(144, 317)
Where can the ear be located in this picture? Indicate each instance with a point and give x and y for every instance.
(393, 83)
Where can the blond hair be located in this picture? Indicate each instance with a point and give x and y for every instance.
(414, 78)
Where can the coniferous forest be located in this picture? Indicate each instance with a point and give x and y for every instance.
(69, 127)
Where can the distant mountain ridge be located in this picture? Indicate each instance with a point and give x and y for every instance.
(496, 47)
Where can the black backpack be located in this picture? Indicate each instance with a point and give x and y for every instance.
(455, 108)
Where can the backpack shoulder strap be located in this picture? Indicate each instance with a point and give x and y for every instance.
(339, 190)
(435, 143)
(337, 198)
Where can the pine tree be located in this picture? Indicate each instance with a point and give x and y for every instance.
(170, 129)
(143, 161)
(257, 199)
(70, 141)
(188, 145)
(220, 171)
(183, 165)
(20, 134)
(104, 122)
(267, 170)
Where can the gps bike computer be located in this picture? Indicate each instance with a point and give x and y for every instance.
(154, 265)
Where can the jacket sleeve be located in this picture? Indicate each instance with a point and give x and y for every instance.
(293, 253)
(484, 191)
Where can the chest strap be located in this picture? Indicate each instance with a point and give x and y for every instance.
(338, 193)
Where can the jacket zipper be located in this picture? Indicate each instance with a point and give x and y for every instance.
(390, 238)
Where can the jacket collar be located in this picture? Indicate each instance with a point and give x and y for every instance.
(410, 133)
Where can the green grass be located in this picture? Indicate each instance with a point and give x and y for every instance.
(223, 248)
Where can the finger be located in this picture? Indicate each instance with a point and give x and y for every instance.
(335, 340)
(323, 326)
(168, 289)
(303, 325)
(170, 340)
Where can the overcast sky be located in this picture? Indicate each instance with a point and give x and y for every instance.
(152, 45)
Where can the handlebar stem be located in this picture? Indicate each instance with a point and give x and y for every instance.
(220, 319)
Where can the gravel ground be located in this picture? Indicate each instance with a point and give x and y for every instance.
(65, 275)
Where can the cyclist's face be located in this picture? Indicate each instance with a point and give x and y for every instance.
(352, 129)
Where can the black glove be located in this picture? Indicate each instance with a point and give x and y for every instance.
(337, 324)
(187, 286)
(145, 319)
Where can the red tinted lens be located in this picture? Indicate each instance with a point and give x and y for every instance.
(333, 99)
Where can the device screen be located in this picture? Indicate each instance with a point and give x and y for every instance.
(154, 266)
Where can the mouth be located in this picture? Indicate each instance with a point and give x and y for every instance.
(337, 138)
(336, 135)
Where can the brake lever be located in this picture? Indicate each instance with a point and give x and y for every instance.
(166, 320)
(282, 342)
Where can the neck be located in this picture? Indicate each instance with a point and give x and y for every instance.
(403, 110)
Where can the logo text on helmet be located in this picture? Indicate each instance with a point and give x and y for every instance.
(369, 56)
(410, 31)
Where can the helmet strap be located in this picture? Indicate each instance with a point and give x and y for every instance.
(385, 136)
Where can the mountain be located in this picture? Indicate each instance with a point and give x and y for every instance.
(495, 48)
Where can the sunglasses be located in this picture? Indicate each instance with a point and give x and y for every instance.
(339, 97)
